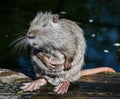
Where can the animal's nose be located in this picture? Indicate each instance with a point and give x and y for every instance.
(31, 37)
(31, 34)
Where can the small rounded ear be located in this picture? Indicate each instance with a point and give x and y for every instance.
(55, 18)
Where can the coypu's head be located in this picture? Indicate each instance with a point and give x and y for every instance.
(43, 30)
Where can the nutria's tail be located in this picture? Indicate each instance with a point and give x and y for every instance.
(97, 70)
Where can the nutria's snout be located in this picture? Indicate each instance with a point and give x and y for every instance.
(31, 34)
(30, 37)
(31, 40)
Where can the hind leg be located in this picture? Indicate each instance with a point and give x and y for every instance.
(62, 87)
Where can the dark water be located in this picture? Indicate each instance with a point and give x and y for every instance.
(99, 19)
(102, 46)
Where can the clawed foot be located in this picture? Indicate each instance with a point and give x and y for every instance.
(31, 86)
(62, 87)
(47, 61)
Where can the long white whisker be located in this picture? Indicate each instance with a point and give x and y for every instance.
(15, 41)
(21, 47)
(25, 47)
(20, 44)
(15, 48)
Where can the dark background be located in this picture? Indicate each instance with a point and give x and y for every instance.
(100, 20)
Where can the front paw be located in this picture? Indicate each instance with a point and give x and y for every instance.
(62, 87)
(47, 61)
(31, 86)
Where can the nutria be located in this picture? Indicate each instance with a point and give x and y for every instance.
(58, 48)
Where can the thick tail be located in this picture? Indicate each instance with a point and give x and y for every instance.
(97, 70)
